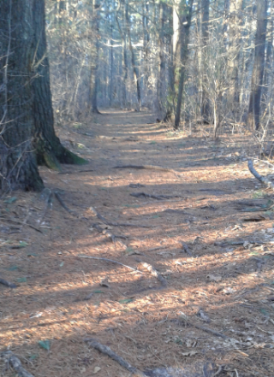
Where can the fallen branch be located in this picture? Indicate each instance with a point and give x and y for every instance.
(199, 327)
(108, 351)
(15, 363)
(263, 180)
(7, 283)
(109, 260)
(157, 197)
(151, 167)
(154, 273)
(186, 249)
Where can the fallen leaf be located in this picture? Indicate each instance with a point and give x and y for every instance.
(45, 344)
(96, 370)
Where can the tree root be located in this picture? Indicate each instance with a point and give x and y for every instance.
(60, 200)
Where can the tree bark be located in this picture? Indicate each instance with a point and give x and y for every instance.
(94, 79)
(235, 18)
(161, 84)
(185, 23)
(258, 68)
(18, 166)
(204, 44)
(133, 59)
(49, 149)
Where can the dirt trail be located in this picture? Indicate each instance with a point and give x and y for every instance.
(198, 235)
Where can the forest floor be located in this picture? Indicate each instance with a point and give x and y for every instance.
(202, 221)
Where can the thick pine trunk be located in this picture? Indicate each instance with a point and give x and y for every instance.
(234, 54)
(133, 60)
(258, 68)
(185, 23)
(18, 166)
(48, 147)
(94, 80)
(204, 58)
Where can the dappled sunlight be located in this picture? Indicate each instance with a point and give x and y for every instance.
(123, 269)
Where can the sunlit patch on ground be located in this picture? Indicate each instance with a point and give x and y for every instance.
(211, 248)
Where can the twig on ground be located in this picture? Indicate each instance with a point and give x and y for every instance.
(108, 351)
(7, 283)
(11, 359)
(109, 260)
(154, 273)
(199, 327)
(263, 180)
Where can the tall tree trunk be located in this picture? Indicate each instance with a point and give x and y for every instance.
(124, 64)
(161, 84)
(235, 17)
(94, 79)
(185, 23)
(133, 59)
(18, 168)
(171, 84)
(111, 67)
(204, 23)
(258, 67)
(146, 39)
(268, 74)
(48, 147)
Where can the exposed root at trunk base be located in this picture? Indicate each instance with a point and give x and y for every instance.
(54, 154)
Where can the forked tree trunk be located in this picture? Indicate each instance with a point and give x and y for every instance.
(18, 166)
